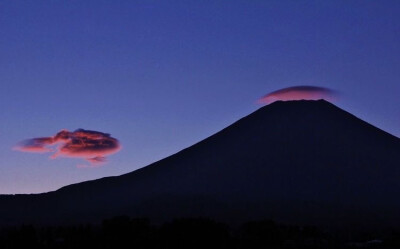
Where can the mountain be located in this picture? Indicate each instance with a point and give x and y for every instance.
(300, 162)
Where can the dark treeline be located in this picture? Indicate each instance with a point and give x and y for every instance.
(193, 233)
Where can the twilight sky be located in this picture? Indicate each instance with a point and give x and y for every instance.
(162, 75)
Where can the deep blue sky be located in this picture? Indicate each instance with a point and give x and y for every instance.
(162, 75)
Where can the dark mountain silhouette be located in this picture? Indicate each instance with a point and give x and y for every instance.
(304, 162)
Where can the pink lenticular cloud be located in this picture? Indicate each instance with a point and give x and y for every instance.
(92, 146)
(299, 93)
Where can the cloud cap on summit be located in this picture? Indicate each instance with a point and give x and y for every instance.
(299, 93)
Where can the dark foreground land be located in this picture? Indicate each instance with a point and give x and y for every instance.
(191, 233)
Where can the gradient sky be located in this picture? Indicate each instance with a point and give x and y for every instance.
(162, 75)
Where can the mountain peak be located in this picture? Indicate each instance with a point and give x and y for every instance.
(299, 103)
(301, 161)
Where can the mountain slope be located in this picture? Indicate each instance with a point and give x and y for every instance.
(296, 161)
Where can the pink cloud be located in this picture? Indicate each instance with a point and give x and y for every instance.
(299, 93)
(92, 146)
